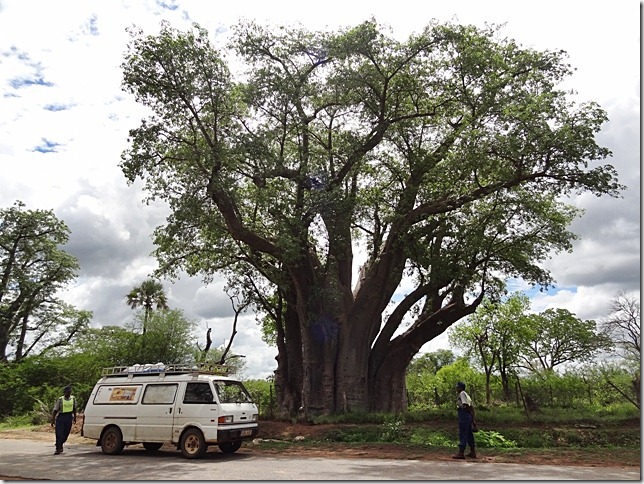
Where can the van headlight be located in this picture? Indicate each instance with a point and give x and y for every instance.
(225, 419)
(255, 417)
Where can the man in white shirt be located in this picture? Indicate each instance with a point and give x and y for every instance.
(465, 420)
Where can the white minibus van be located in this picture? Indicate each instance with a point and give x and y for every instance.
(156, 404)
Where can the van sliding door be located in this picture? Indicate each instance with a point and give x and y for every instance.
(154, 423)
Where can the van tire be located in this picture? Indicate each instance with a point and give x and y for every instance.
(152, 446)
(230, 447)
(112, 441)
(193, 445)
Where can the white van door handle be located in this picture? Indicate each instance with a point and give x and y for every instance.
(170, 409)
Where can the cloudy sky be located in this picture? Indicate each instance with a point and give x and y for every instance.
(64, 122)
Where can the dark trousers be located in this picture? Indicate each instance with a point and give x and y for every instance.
(465, 434)
(63, 428)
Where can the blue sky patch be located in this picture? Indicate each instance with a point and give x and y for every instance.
(21, 82)
(167, 5)
(47, 146)
(56, 107)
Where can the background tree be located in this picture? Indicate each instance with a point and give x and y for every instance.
(51, 325)
(169, 337)
(111, 346)
(556, 337)
(475, 338)
(623, 326)
(238, 308)
(33, 268)
(495, 336)
(431, 361)
(442, 157)
(235, 365)
(147, 295)
(460, 370)
(421, 377)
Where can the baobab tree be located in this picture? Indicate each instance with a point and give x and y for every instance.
(445, 158)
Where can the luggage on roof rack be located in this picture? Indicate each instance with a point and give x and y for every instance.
(158, 368)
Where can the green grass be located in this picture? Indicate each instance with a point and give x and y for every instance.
(18, 422)
(502, 427)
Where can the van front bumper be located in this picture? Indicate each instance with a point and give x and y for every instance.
(245, 433)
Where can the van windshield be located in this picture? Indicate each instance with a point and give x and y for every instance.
(231, 392)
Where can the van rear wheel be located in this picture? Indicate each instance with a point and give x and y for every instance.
(152, 446)
(192, 444)
(230, 447)
(112, 441)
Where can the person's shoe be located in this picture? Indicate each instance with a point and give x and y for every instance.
(471, 454)
(58, 451)
(459, 455)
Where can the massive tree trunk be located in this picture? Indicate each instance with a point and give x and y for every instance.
(289, 372)
(388, 362)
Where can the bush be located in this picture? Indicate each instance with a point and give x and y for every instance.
(493, 439)
(394, 430)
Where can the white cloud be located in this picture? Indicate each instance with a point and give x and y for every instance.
(60, 93)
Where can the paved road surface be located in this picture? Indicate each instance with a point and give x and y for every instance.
(35, 460)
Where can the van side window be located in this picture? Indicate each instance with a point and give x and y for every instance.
(198, 393)
(159, 394)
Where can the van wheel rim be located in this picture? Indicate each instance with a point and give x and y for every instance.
(110, 441)
(192, 444)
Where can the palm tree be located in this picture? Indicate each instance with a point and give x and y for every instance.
(149, 294)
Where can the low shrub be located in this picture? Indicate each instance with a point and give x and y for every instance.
(493, 439)
(393, 430)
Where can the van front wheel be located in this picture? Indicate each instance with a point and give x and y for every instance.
(230, 447)
(192, 444)
(112, 441)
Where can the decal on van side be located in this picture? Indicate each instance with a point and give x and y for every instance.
(107, 394)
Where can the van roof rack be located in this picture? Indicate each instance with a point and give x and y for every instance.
(160, 368)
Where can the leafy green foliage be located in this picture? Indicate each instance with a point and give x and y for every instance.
(263, 394)
(431, 362)
(493, 439)
(168, 339)
(495, 337)
(421, 377)
(557, 336)
(34, 384)
(393, 429)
